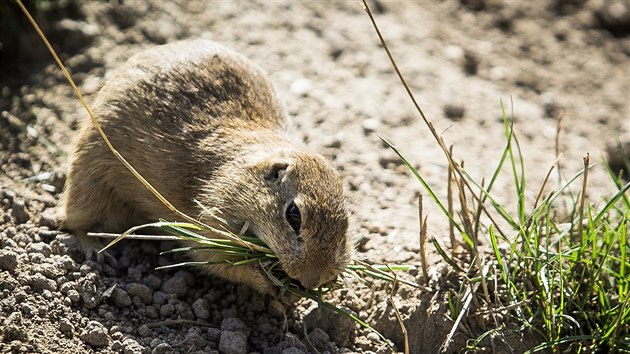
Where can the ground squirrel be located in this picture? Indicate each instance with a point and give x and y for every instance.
(202, 122)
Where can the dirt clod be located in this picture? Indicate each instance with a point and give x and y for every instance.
(95, 334)
(233, 343)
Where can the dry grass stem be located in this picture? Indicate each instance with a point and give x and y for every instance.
(423, 239)
(449, 198)
(403, 329)
(134, 236)
(580, 225)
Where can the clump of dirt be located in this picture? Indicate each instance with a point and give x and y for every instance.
(542, 59)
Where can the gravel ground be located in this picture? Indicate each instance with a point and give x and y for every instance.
(551, 58)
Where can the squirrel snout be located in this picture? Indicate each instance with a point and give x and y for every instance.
(310, 280)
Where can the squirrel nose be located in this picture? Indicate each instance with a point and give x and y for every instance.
(309, 280)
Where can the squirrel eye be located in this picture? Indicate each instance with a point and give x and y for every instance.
(292, 214)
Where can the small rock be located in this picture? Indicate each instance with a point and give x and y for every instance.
(144, 331)
(471, 63)
(373, 337)
(370, 125)
(120, 297)
(141, 291)
(95, 334)
(161, 348)
(167, 310)
(201, 310)
(27, 309)
(319, 339)
(13, 329)
(234, 324)
(74, 296)
(76, 34)
(454, 111)
(152, 281)
(40, 247)
(617, 154)
(292, 350)
(175, 285)
(184, 311)
(301, 86)
(48, 218)
(39, 282)
(341, 328)
(117, 346)
(130, 346)
(19, 212)
(213, 334)
(233, 343)
(65, 326)
(8, 260)
(614, 15)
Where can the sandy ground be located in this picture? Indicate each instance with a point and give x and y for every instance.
(543, 59)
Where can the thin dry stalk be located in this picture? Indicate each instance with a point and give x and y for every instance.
(131, 169)
(559, 127)
(134, 237)
(544, 184)
(465, 212)
(449, 198)
(468, 296)
(180, 322)
(403, 329)
(423, 239)
(477, 221)
(586, 159)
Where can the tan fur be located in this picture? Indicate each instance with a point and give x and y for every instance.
(199, 121)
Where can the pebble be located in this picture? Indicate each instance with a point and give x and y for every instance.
(161, 348)
(301, 86)
(201, 310)
(120, 297)
(175, 285)
(74, 296)
(40, 247)
(19, 212)
(8, 260)
(319, 339)
(234, 324)
(213, 334)
(454, 111)
(614, 15)
(184, 311)
(27, 309)
(292, 350)
(65, 326)
(370, 125)
(233, 343)
(130, 346)
(141, 291)
(167, 310)
(48, 218)
(95, 334)
(373, 337)
(152, 281)
(160, 298)
(144, 331)
(39, 282)
(76, 34)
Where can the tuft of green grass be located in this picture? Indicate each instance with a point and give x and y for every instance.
(241, 250)
(563, 275)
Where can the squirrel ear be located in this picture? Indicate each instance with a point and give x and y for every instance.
(276, 171)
